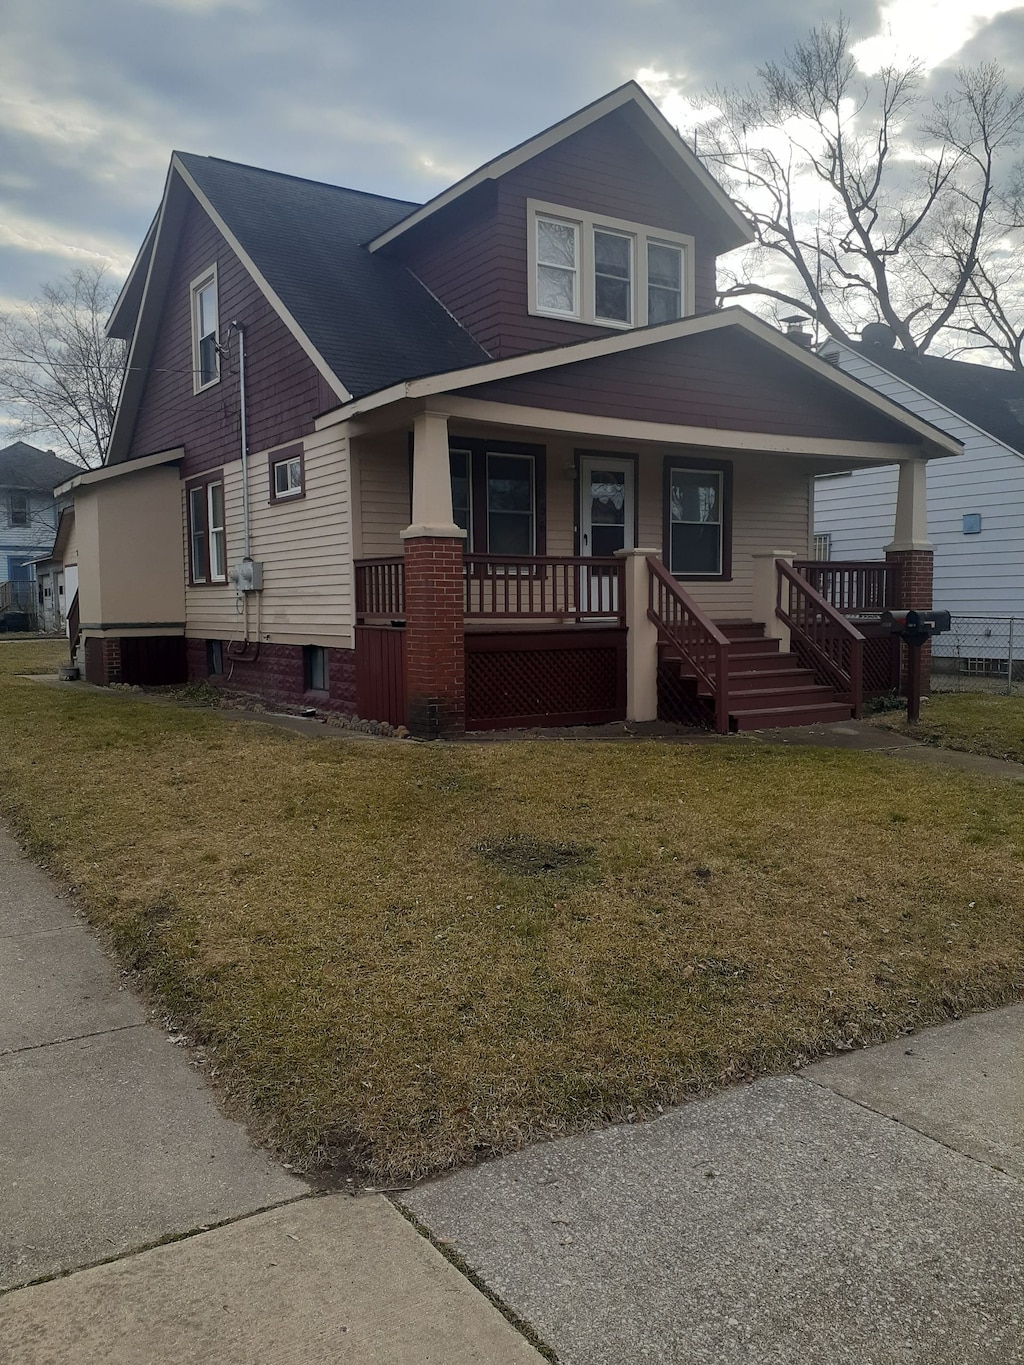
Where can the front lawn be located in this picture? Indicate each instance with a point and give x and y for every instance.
(400, 956)
(976, 722)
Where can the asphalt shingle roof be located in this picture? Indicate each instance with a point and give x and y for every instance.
(25, 467)
(369, 317)
(988, 398)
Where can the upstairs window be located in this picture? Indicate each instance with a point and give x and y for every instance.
(17, 509)
(205, 356)
(557, 268)
(605, 271)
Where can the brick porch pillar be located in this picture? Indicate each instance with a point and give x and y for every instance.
(911, 553)
(111, 660)
(435, 660)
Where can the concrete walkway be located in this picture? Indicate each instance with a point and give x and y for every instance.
(110, 1143)
(866, 1211)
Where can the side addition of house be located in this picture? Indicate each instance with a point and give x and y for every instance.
(493, 460)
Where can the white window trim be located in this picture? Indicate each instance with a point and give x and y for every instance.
(293, 490)
(200, 282)
(641, 233)
(220, 531)
(578, 276)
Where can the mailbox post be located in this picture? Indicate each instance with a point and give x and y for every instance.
(916, 628)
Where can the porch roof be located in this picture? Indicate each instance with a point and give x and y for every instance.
(718, 378)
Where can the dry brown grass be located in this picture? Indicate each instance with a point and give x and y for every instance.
(392, 968)
(976, 722)
(32, 655)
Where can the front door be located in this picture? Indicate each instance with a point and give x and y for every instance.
(606, 523)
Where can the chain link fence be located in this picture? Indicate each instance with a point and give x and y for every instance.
(980, 654)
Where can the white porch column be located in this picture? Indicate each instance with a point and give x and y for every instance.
(641, 639)
(911, 528)
(764, 596)
(431, 479)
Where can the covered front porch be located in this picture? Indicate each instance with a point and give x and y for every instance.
(716, 622)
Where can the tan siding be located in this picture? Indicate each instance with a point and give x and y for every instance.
(381, 480)
(306, 550)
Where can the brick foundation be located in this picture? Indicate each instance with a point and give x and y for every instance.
(277, 674)
(435, 660)
(916, 569)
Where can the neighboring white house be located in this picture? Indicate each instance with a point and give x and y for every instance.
(28, 522)
(975, 503)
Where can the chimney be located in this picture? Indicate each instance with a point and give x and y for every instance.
(796, 330)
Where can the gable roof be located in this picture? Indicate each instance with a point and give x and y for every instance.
(734, 227)
(368, 321)
(38, 471)
(935, 441)
(990, 399)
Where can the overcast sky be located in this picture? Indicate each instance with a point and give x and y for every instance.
(396, 96)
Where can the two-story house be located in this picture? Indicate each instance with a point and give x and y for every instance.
(28, 519)
(491, 460)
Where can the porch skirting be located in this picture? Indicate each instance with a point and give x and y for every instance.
(552, 677)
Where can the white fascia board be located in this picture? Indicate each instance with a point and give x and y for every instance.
(144, 255)
(536, 361)
(272, 296)
(89, 477)
(832, 346)
(630, 93)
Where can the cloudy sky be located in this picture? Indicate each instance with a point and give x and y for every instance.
(396, 96)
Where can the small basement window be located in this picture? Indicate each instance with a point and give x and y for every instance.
(287, 474)
(214, 657)
(314, 662)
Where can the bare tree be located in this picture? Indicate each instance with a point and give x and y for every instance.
(59, 374)
(873, 202)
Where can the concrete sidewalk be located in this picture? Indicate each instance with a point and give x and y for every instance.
(867, 1211)
(110, 1142)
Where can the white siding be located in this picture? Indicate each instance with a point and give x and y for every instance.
(974, 574)
(305, 546)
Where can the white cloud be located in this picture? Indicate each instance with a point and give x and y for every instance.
(666, 90)
(929, 31)
(36, 235)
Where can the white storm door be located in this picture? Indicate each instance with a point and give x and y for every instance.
(606, 524)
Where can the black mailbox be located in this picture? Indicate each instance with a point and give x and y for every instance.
(917, 625)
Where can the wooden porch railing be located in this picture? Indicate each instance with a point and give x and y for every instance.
(822, 638)
(572, 588)
(682, 624)
(502, 586)
(854, 587)
(380, 588)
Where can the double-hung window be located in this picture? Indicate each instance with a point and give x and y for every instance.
(605, 271)
(498, 496)
(206, 535)
(17, 509)
(698, 511)
(205, 355)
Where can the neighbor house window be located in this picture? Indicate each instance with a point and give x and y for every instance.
(17, 509)
(287, 474)
(606, 271)
(697, 519)
(823, 545)
(205, 356)
(558, 246)
(314, 661)
(206, 534)
(498, 495)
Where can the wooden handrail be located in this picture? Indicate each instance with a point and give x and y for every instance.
(822, 638)
(74, 629)
(564, 587)
(682, 624)
(853, 586)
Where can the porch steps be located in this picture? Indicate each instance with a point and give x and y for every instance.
(767, 689)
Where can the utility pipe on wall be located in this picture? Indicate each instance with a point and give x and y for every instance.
(237, 326)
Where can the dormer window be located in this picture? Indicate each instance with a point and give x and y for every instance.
(558, 249)
(605, 271)
(205, 356)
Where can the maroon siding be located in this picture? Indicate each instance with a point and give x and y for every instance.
(380, 674)
(474, 255)
(285, 391)
(723, 380)
(277, 675)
